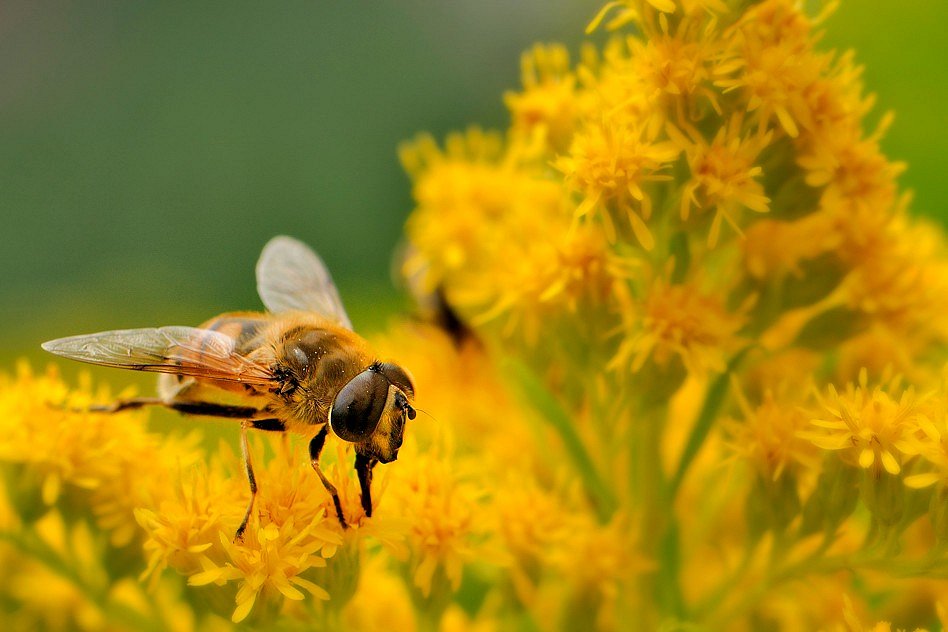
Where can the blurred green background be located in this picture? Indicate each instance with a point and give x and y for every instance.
(148, 150)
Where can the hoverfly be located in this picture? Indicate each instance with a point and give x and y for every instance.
(297, 368)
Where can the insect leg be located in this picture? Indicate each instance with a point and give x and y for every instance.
(363, 466)
(126, 404)
(245, 451)
(315, 448)
(186, 408)
(274, 425)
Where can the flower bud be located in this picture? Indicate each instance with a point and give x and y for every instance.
(834, 498)
(884, 496)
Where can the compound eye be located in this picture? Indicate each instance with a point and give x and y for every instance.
(358, 407)
(398, 377)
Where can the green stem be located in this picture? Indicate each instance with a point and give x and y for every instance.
(669, 584)
(929, 567)
(541, 400)
(709, 412)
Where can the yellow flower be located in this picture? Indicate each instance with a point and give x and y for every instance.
(288, 535)
(680, 321)
(109, 461)
(675, 67)
(769, 58)
(381, 602)
(599, 564)
(270, 564)
(49, 598)
(609, 164)
(559, 272)
(870, 427)
(549, 99)
(442, 511)
(184, 528)
(801, 241)
(930, 442)
(900, 279)
(467, 239)
(530, 523)
(473, 198)
(768, 436)
(723, 174)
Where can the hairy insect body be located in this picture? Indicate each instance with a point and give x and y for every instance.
(299, 367)
(317, 360)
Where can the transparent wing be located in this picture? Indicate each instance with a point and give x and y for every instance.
(290, 276)
(180, 350)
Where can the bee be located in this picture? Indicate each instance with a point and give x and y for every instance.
(299, 367)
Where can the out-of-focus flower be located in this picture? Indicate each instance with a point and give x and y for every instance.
(872, 427)
(442, 513)
(679, 321)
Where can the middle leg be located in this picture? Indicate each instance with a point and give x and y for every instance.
(315, 449)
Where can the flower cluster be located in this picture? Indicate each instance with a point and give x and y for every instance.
(679, 361)
(744, 368)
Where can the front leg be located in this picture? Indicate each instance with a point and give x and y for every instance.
(363, 466)
(315, 448)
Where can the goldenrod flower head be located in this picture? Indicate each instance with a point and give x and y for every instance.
(930, 442)
(272, 563)
(801, 241)
(381, 602)
(674, 66)
(595, 561)
(100, 458)
(679, 322)
(902, 280)
(483, 209)
(549, 100)
(609, 164)
(289, 533)
(870, 426)
(441, 509)
(48, 599)
(855, 175)
(616, 91)
(769, 436)
(768, 57)
(723, 174)
(529, 519)
(184, 529)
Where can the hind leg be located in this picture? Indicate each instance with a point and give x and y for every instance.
(185, 407)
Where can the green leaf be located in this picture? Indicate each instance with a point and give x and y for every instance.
(709, 412)
(535, 394)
